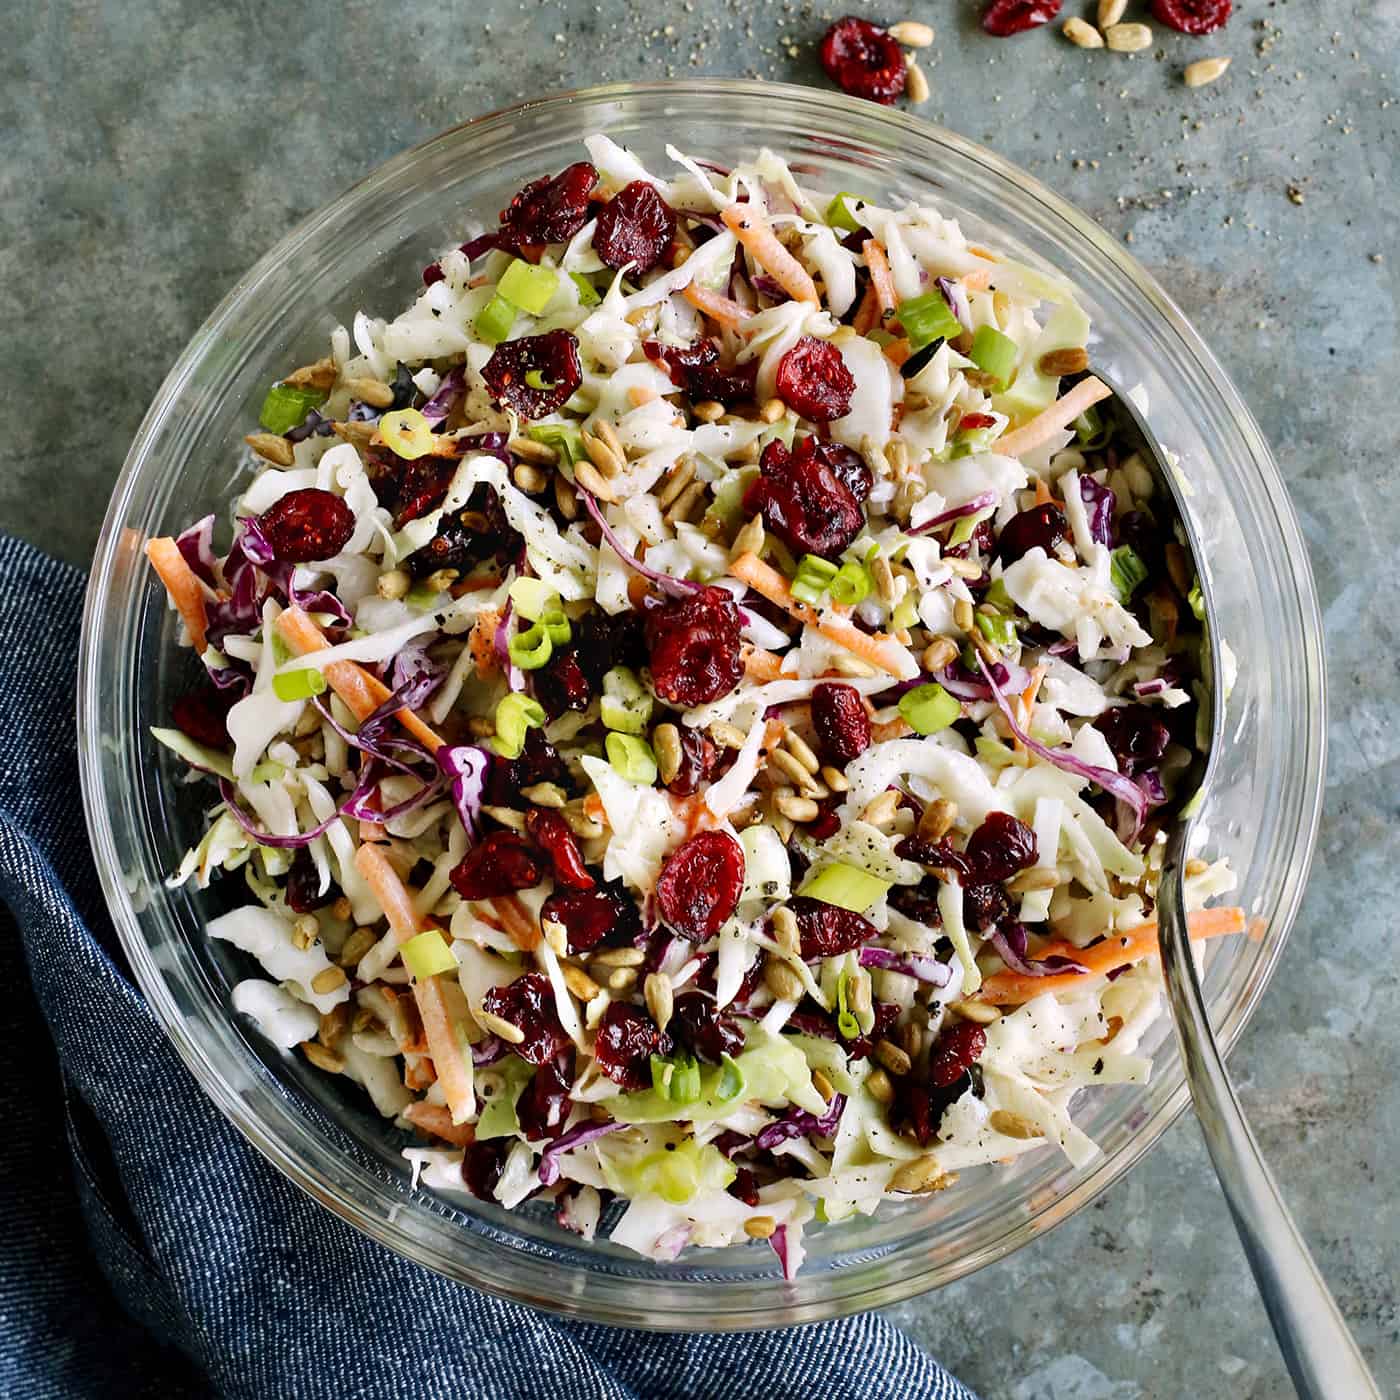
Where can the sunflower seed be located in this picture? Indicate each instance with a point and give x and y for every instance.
(1079, 32)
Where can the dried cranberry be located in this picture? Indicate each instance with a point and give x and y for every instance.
(744, 1187)
(543, 1107)
(1191, 16)
(590, 916)
(700, 883)
(1000, 847)
(704, 1030)
(307, 524)
(548, 210)
(482, 1164)
(985, 906)
(813, 379)
(847, 465)
(627, 1039)
(918, 902)
(841, 720)
(1137, 736)
(803, 501)
(421, 485)
(826, 823)
(550, 832)
(827, 930)
(1044, 526)
(538, 763)
(919, 1106)
(528, 1003)
(603, 642)
(981, 543)
(864, 60)
(698, 759)
(304, 885)
(562, 685)
(697, 369)
(694, 647)
(635, 226)
(954, 1052)
(1003, 17)
(203, 714)
(500, 863)
(550, 359)
(863, 1046)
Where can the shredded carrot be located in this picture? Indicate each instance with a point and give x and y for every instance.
(898, 351)
(593, 807)
(1027, 699)
(434, 1119)
(480, 583)
(391, 892)
(717, 307)
(362, 692)
(183, 585)
(516, 921)
(1059, 415)
(372, 832)
(897, 728)
(639, 394)
(879, 650)
(1117, 950)
(482, 642)
(867, 315)
(761, 665)
(419, 1074)
(978, 280)
(978, 251)
(443, 1007)
(692, 815)
(881, 278)
(1042, 493)
(751, 228)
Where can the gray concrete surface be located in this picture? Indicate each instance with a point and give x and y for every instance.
(153, 149)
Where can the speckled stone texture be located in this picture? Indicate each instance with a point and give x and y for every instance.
(154, 149)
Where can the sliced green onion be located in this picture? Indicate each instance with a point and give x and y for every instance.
(564, 438)
(631, 757)
(537, 379)
(851, 584)
(531, 598)
(993, 751)
(269, 771)
(731, 1084)
(515, 716)
(529, 287)
(998, 629)
(193, 752)
(494, 321)
(846, 1021)
(556, 623)
(286, 408)
(965, 525)
(994, 353)
(906, 612)
(929, 708)
(407, 432)
(814, 575)
(974, 440)
(531, 648)
(298, 685)
(422, 596)
(928, 318)
(1127, 571)
(1091, 430)
(425, 955)
(677, 1079)
(839, 215)
(845, 886)
(1196, 599)
(997, 596)
(587, 292)
(626, 704)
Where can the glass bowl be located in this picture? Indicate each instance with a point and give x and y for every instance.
(365, 250)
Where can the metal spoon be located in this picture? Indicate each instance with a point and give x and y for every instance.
(1322, 1358)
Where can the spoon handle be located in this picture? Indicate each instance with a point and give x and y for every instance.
(1322, 1358)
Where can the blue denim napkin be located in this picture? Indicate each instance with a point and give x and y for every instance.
(147, 1250)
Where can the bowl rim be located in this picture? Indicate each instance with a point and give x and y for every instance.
(102, 836)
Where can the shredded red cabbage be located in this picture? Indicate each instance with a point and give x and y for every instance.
(796, 1122)
(1010, 941)
(487, 1052)
(980, 502)
(675, 587)
(916, 965)
(1123, 788)
(957, 681)
(1098, 506)
(197, 546)
(580, 1136)
(453, 386)
(957, 301)
(467, 766)
(778, 1241)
